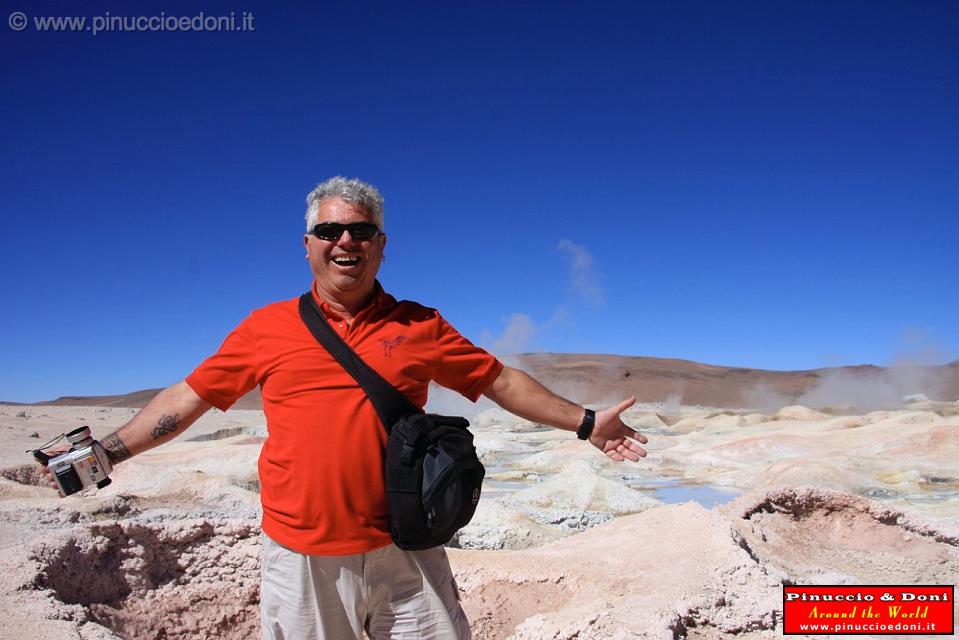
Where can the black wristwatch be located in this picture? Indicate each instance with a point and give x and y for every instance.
(586, 428)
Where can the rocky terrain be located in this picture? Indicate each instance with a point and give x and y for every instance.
(694, 541)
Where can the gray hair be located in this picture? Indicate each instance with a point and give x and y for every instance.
(352, 190)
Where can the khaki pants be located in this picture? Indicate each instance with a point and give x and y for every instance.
(389, 593)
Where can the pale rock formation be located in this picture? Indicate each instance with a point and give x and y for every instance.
(170, 548)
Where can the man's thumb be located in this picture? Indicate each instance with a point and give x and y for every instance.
(625, 404)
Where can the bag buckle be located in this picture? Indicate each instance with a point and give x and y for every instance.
(408, 453)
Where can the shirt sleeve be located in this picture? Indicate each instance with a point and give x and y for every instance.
(463, 367)
(229, 373)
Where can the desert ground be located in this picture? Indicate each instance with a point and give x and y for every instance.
(694, 541)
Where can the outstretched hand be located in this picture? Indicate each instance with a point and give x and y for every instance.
(614, 438)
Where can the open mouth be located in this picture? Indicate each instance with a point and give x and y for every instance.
(346, 261)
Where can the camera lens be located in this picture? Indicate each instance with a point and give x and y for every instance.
(79, 436)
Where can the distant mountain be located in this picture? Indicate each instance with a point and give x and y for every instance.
(598, 378)
(135, 399)
(606, 377)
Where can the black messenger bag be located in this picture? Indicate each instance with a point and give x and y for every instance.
(433, 477)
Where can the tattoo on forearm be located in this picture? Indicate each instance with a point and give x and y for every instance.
(167, 424)
(116, 450)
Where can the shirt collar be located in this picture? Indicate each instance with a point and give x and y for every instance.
(380, 301)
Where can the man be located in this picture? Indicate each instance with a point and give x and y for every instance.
(329, 568)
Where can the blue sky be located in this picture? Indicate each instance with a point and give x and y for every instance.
(753, 184)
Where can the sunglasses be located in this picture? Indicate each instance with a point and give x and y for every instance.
(331, 231)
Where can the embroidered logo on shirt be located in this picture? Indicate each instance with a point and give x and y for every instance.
(389, 343)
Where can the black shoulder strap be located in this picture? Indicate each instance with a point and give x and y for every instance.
(390, 403)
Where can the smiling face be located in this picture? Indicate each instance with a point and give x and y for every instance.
(345, 270)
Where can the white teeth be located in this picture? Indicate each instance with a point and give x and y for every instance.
(346, 260)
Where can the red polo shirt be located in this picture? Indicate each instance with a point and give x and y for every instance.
(321, 467)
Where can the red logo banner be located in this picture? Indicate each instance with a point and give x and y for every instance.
(869, 609)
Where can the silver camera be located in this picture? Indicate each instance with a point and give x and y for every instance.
(85, 464)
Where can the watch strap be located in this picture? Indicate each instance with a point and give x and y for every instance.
(586, 428)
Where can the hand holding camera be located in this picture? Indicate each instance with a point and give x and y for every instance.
(85, 464)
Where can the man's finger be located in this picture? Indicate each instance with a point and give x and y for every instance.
(636, 435)
(636, 449)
